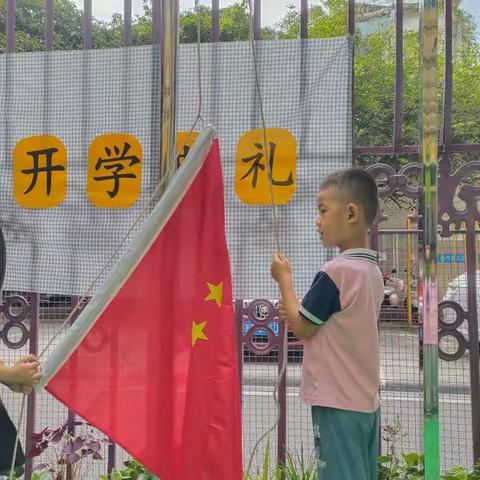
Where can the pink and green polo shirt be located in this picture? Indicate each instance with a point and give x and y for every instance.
(341, 367)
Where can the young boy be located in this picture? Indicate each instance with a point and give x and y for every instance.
(337, 319)
(20, 378)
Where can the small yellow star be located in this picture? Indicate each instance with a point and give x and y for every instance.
(216, 293)
(197, 332)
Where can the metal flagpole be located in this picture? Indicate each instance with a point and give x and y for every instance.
(428, 239)
(169, 46)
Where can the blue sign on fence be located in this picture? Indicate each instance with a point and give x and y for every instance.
(248, 324)
(452, 258)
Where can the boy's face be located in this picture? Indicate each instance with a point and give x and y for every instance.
(335, 217)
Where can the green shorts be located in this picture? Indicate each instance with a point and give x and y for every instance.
(346, 444)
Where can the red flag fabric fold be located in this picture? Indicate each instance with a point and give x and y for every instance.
(158, 372)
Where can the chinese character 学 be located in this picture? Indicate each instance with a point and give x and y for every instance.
(114, 170)
(39, 172)
(252, 183)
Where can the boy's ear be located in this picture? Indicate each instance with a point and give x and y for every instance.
(352, 212)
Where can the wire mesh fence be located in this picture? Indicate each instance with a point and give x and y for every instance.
(401, 363)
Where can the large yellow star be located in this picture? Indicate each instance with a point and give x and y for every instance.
(197, 332)
(216, 293)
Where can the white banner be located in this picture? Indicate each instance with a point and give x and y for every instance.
(81, 141)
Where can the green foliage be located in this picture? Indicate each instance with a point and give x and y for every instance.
(410, 467)
(390, 466)
(374, 58)
(374, 88)
(329, 19)
(132, 470)
(188, 25)
(461, 473)
(39, 476)
(296, 467)
(264, 473)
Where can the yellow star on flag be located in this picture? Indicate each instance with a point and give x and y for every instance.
(197, 332)
(216, 293)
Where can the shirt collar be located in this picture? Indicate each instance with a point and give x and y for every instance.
(361, 253)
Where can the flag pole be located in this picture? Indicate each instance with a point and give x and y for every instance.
(169, 47)
(428, 239)
(147, 234)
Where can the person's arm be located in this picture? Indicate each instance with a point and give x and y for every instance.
(3, 372)
(289, 307)
(5, 379)
(22, 376)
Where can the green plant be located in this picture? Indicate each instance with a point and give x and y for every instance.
(64, 453)
(461, 473)
(298, 468)
(410, 467)
(132, 470)
(265, 473)
(390, 466)
(39, 476)
(18, 472)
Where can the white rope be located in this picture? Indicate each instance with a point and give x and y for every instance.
(264, 128)
(277, 240)
(199, 65)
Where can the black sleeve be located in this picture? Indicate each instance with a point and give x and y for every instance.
(322, 300)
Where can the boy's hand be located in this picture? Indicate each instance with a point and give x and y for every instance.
(281, 269)
(282, 314)
(25, 373)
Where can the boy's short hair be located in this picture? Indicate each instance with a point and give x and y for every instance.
(357, 185)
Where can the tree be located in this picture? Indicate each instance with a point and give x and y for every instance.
(234, 24)
(68, 27)
(329, 19)
(374, 57)
(189, 21)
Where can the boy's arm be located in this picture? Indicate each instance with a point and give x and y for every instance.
(289, 311)
(301, 327)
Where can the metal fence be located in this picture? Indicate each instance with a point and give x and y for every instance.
(400, 353)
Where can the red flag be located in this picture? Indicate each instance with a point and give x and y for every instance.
(157, 372)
